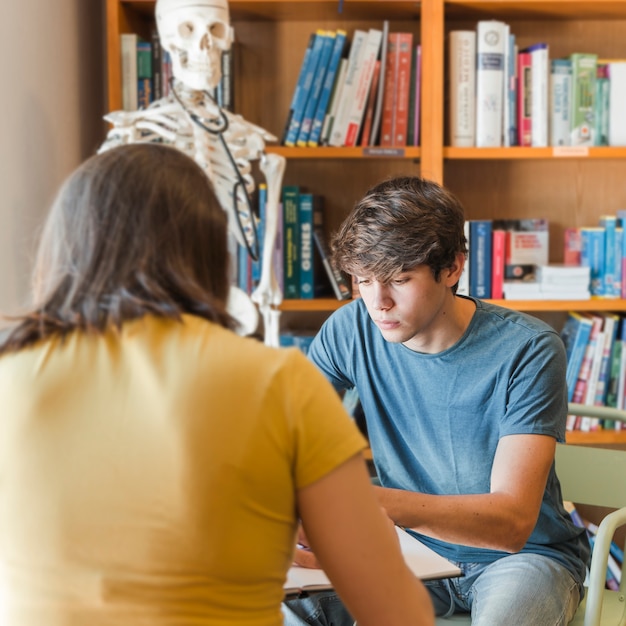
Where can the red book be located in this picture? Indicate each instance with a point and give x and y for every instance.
(497, 266)
(387, 122)
(403, 84)
(524, 98)
(571, 247)
(371, 104)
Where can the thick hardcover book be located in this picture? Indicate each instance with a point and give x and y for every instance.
(462, 88)
(575, 335)
(291, 245)
(327, 88)
(362, 86)
(348, 91)
(539, 94)
(297, 100)
(617, 100)
(480, 258)
(316, 88)
(582, 116)
(491, 43)
(560, 87)
(340, 284)
(128, 50)
(403, 82)
(424, 562)
(305, 251)
(389, 79)
(524, 99)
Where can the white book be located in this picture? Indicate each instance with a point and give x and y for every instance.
(463, 286)
(617, 99)
(370, 54)
(491, 41)
(128, 50)
(344, 106)
(329, 118)
(559, 105)
(506, 112)
(462, 88)
(539, 94)
(378, 111)
(424, 562)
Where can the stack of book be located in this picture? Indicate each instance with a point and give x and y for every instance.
(551, 282)
(501, 95)
(358, 92)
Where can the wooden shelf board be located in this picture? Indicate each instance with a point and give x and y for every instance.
(536, 9)
(535, 153)
(327, 152)
(594, 437)
(617, 305)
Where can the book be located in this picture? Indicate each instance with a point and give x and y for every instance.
(317, 84)
(402, 95)
(527, 245)
(225, 90)
(611, 287)
(367, 64)
(510, 94)
(378, 109)
(571, 246)
(582, 125)
(340, 284)
(329, 118)
(389, 87)
(539, 94)
(157, 62)
(505, 86)
(602, 104)
(491, 43)
(291, 245)
(560, 86)
(327, 88)
(580, 388)
(371, 105)
(416, 94)
(617, 102)
(524, 99)
(128, 52)
(305, 248)
(575, 335)
(611, 322)
(497, 264)
(299, 93)
(463, 284)
(348, 91)
(480, 257)
(260, 230)
(592, 256)
(424, 562)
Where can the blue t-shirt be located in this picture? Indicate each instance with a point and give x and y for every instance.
(434, 420)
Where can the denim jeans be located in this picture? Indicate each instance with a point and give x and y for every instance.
(516, 590)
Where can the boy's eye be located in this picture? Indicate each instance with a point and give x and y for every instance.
(363, 281)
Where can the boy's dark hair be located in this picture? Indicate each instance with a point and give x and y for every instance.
(399, 224)
(133, 231)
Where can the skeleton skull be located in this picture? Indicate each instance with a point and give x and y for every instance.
(195, 33)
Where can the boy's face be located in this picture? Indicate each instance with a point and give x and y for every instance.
(413, 308)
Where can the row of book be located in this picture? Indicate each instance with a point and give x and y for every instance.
(595, 344)
(362, 92)
(147, 73)
(500, 95)
(302, 263)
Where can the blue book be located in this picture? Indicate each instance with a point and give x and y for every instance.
(511, 91)
(305, 252)
(316, 88)
(575, 335)
(480, 258)
(327, 88)
(609, 223)
(260, 231)
(592, 256)
(297, 97)
(304, 88)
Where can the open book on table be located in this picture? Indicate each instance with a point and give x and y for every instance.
(424, 562)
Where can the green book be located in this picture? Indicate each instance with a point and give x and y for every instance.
(291, 243)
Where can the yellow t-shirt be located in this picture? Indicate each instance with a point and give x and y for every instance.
(148, 476)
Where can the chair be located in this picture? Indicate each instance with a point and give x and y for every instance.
(593, 476)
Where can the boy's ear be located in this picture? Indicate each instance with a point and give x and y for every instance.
(455, 270)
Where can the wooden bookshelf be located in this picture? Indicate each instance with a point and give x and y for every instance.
(569, 187)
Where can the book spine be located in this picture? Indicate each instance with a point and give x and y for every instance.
(291, 232)
(609, 286)
(417, 94)
(480, 258)
(329, 118)
(505, 87)
(305, 252)
(524, 99)
(539, 95)
(582, 131)
(316, 88)
(490, 46)
(610, 328)
(297, 100)
(602, 104)
(581, 330)
(462, 76)
(128, 50)
(327, 88)
(226, 86)
(157, 62)
(617, 103)
(401, 113)
(363, 83)
(378, 109)
(497, 265)
(571, 246)
(390, 79)
(371, 103)
(348, 91)
(463, 285)
(260, 229)
(560, 87)
(592, 256)
(511, 93)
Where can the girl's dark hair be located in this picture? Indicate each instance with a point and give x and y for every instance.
(399, 224)
(134, 230)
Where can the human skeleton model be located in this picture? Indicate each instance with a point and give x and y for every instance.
(196, 33)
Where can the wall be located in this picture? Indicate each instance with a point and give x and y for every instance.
(51, 104)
